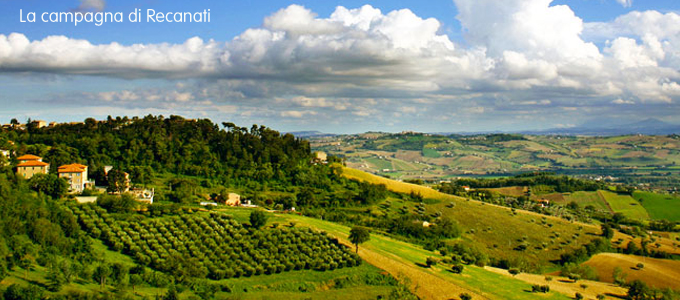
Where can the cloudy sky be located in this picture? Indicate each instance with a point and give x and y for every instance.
(350, 66)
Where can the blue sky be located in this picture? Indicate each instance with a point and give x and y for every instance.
(350, 66)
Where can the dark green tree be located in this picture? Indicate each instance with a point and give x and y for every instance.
(359, 235)
(118, 181)
(258, 219)
(49, 184)
(101, 274)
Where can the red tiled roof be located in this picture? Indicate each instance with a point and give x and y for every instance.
(33, 163)
(72, 168)
(28, 157)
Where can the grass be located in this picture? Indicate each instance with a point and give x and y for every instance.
(408, 259)
(658, 273)
(659, 207)
(496, 230)
(587, 198)
(625, 204)
(431, 153)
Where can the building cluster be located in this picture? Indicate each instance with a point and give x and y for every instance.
(75, 174)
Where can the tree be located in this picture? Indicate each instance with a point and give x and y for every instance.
(457, 268)
(101, 273)
(513, 271)
(118, 181)
(619, 276)
(257, 219)
(578, 296)
(607, 231)
(359, 235)
(637, 290)
(465, 296)
(49, 184)
(640, 266)
(135, 280)
(55, 279)
(431, 261)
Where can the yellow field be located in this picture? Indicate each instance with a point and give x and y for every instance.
(660, 273)
(568, 287)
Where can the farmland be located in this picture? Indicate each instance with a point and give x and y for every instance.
(547, 237)
(659, 206)
(587, 198)
(625, 159)
(624, 204)
(657, 272)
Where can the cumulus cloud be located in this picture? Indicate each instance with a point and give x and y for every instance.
(516, 51)
(625, 3)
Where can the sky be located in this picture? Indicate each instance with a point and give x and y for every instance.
(348, 66)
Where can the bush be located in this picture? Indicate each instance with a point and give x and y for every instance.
(431, 261)
(457, 268)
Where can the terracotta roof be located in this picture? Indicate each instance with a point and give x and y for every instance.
(74, 165)
(28, 157)
(33, 163)
(72, 168)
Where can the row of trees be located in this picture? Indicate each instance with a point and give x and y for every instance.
(215, 245)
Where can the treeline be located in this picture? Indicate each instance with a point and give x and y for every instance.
(174, 144)
(561, 184)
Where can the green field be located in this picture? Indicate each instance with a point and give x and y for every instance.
(654, 156)
(488, 284)
(625, 204)
(587, 198)
(496, 230)
(659, 207)
(431, 153)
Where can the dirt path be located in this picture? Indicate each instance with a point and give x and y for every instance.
(566, 286)
(424, 284)
(604, 199)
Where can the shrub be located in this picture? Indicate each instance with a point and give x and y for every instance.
(457, 268)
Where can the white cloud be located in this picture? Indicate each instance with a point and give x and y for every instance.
(621, 101)
(625, 3)
(297, 113)
(311, 65)
(91, 5)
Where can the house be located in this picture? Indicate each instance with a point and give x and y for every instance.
(39, 123)
(320, 157)
(76, 176)
(543, 202)
(466, 188)
(30, 165)
(233, 199)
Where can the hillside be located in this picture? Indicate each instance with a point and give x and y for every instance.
(498, 231)
(631, 159)
(657, 272)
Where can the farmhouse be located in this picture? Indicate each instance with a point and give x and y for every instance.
(320, 157)
(39, 123)
(30, 165)
(543, 202)
(233, 199)
(76, 176)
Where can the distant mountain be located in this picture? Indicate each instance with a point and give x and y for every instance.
(649, 126)
(311, 133)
